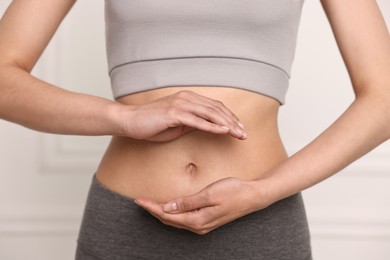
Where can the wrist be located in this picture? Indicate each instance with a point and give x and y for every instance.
(268, 190)
(119, 116)
(261, 195)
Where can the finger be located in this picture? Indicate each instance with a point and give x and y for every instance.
(207, 111)
(206, 101)
(204, 125)
(171, 133)
(152, 207)
(218, 104)
(211, 115)
(197, 221)
(188, 203)
(214, 102)
(157, 211)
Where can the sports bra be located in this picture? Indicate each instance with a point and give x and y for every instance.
(246, 44)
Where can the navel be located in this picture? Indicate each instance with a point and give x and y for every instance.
(191, 168)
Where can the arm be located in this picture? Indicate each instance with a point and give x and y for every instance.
(25, 30)
(364, 43)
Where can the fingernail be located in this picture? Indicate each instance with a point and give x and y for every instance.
(225, 127)
(170, 207)
(240, 124)
(242, 133)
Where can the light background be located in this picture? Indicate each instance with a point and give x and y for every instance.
(44, 178)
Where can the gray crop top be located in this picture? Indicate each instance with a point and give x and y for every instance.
(247, 44)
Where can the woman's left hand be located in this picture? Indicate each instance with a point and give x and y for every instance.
(217, 204)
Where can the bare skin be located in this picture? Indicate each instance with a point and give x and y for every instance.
(164, 170)
(192, 142)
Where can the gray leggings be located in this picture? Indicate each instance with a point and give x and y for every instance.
(114, 227)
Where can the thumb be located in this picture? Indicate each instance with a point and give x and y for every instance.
(188, 203)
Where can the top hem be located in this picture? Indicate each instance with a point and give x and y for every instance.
(258, 77)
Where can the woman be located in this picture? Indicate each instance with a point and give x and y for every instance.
(197, 88)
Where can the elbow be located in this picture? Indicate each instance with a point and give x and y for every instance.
(4, 75)
(6, 65)
(9, 63)
(7, 72)
(377, 101)
(9, 76)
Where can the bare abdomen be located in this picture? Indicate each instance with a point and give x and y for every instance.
(163, 171)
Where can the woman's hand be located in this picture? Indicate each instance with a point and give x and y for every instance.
(219, 203)
(169, 117)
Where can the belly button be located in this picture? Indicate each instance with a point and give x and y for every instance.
(191, 168)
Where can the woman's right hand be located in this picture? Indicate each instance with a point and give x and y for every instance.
(170, 117)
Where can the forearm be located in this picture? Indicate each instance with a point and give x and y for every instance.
(33, 103)
(362, 127)
(30, 102)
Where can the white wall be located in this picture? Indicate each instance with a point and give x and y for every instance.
(44, 178)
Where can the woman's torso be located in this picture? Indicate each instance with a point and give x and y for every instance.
(163, 171)
(246, 44)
